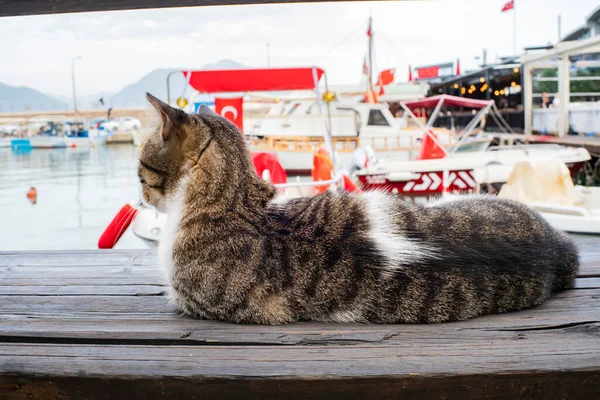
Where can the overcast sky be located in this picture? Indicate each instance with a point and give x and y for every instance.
(119, 47)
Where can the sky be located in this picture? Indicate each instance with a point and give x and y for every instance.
(119, 47)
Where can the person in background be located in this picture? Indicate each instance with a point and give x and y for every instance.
(545, 100)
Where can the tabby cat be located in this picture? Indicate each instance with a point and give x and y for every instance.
(233, 254)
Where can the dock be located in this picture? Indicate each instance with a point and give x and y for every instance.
(592, 144)
(96, 324)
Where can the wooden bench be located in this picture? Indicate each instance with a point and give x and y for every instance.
(95, 324)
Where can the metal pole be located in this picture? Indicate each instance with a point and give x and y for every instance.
(169, 87)
(514, 30)
(73, 80)
(425, 129)
(527, 83)
(563, 95)
(370, 75)
(327, 136)
(559, 28)
(268, 54)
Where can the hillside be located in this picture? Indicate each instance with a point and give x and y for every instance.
(21, 98)
(155, 82)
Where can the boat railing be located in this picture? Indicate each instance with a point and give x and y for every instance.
(340, 144)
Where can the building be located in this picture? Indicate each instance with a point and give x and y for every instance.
(589, 29)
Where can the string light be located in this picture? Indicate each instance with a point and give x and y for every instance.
(513, 84)
(496, 93)
(463, 90)
(484, 87)
(456, 86)
(482, 79)
(502, 92)
(516, 70)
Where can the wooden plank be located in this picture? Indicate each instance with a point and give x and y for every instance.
(561, 385)
(152, 318)
(478, 352)
(78, 258)
(32, 7)
(572, 299)
(83, 290)
(113, 328)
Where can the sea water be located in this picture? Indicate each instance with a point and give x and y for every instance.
(79, 191)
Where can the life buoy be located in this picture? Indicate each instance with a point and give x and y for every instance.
(268, 161)
(117, 227)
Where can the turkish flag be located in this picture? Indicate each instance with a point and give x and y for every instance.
(386, 77)
(509, 6)
(231, 109)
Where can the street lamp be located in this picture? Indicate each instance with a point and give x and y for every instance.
(73, 78)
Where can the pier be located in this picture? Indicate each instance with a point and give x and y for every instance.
(97, 324)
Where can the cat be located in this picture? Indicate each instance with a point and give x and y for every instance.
(232, 254)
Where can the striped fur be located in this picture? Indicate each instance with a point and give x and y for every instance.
(238, 256)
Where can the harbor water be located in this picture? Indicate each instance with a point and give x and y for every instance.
(79, 191)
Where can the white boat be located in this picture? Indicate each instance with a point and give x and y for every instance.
(293, 130)
(462, 171)
(547, 187)
(46, 142)
(450, 171)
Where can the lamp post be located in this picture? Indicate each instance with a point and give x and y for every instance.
(73, 78)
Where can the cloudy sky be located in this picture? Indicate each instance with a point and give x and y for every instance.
(119, 47)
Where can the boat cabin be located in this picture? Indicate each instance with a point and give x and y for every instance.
(301, 118)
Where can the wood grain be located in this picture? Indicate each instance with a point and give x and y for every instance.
(97, 324)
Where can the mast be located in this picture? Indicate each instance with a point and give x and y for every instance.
(370, 35)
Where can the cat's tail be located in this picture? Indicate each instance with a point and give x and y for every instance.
(566, 263)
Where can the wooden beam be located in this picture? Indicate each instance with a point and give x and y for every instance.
(32, 7)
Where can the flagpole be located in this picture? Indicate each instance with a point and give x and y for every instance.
(514, 29)
(370, 54)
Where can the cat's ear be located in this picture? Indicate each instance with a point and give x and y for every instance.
(169, 115)
(204, 110)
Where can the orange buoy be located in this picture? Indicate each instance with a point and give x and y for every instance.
(32, 195)
(73, 145)
(322, 168)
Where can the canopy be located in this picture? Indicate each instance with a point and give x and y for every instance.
(431, 102)
(253, 80)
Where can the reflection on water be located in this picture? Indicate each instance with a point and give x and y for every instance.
(79, 191)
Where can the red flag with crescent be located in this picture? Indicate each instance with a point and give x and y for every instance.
(231, 109)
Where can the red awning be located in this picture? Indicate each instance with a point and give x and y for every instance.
(431, 102)
(253, 80)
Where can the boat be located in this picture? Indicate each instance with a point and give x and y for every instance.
(292, 128)
(67, 134)
(439, 170)
(293, 131)
(5, 142)
(148, 222)
(463, 172)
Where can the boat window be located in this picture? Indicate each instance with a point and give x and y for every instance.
(376, 118)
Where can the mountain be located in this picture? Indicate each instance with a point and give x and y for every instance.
(86, 101)
(155, 82)
(21, 98)
(18, 99)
